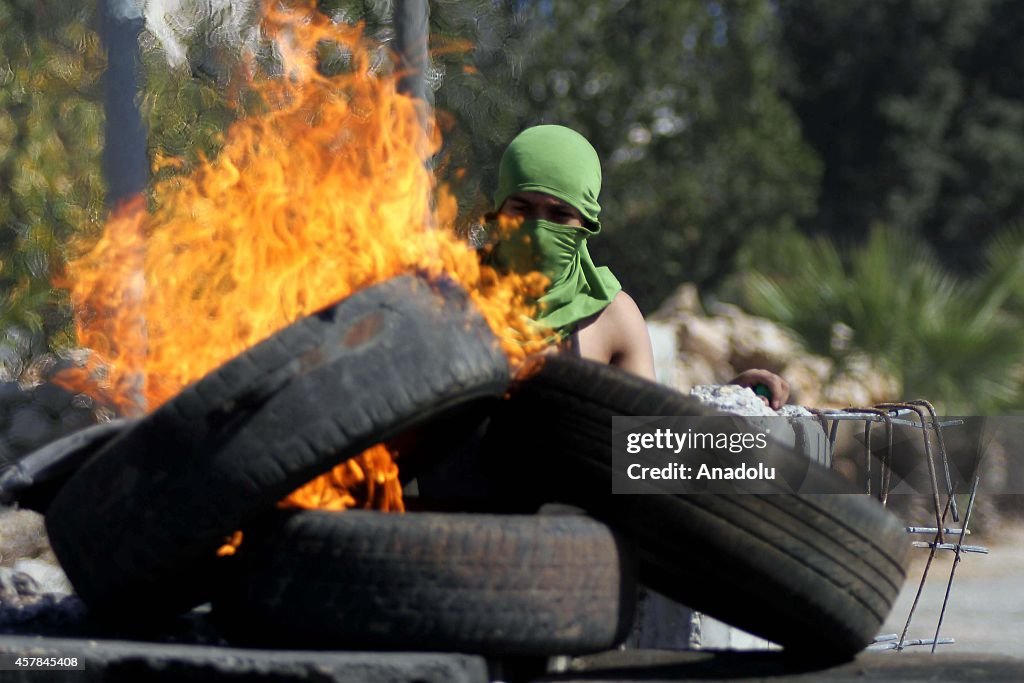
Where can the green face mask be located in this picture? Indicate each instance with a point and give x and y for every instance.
(578, 288)
(543, 246)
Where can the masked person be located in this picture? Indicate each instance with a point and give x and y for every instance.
(549, 181)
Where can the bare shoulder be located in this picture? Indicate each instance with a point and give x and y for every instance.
(619, 336)
(623, 310)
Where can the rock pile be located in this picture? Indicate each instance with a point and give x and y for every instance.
(23, 537)
(694, 347)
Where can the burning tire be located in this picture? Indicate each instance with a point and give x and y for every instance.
(142, 520)
(812, 572)
(490, 584)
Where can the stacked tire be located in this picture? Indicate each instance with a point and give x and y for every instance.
(137, 527)
(528, 585)
(140, 523)
(816, 573)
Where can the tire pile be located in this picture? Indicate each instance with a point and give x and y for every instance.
(140, 522)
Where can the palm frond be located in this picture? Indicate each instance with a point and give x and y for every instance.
(958, 342)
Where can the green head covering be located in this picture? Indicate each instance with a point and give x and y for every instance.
(559, 162)
(554, 160)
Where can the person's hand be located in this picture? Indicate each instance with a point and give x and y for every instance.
(776, 387)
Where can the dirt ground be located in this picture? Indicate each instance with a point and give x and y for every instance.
(985, 613)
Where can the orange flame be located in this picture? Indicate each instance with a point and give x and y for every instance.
(369, 481)
(323, 193)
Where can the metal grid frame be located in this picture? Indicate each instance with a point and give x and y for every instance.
(926, 421)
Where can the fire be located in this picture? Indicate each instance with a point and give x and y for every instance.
(371, 479)
(323, 193)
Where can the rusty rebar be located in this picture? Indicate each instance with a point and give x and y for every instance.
(939, 515)
(886, 645)
(885, 476)
(942, 454)
(980, 549)
(867, 457)
(919, 407)
(920, 587)
(959, 547)
(932, 530)
(867, 451)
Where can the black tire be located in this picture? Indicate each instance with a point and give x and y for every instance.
(33, 416)
(488, 584)
(817, 573)
(140, 523)
(33, 480)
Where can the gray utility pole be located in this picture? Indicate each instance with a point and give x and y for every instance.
(412, 34)
(125, 164)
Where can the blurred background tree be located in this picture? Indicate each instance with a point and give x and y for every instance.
(51, 142)
(916, 108)
(946, 337)
(193, 58)
(50, 182)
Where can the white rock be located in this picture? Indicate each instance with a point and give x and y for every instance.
(686, 299)
(50, 577)
(705, 337)
(732, 398)
(794, 411)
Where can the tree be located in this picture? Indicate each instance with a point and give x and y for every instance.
(916, 108)
(479, 51)
(192, 66)
(50, 143)
(953, 340)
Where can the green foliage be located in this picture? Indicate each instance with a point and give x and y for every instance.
(189, 100)
(478, 49)
(50, 143)
(958, 342)
(916, 108)
(186, 117)
(699, 150)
